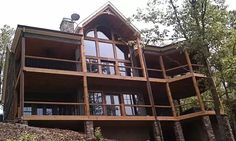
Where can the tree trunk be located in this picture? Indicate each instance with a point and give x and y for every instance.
(216, 100)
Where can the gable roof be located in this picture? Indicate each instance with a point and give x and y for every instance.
(110, 9)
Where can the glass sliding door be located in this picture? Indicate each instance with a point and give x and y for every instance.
(95, 100)
(112, 105)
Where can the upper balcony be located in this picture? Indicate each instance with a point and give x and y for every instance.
(169, 63)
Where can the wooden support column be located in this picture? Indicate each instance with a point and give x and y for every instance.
(85, 81)
(123, 113)
(198, 94)
(141, 58)
(22, 84)
(158, 136)
(167, 87)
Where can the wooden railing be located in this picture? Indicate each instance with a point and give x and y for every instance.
(53, 108)
(52, 63)
(120, 109)
(175, 71)
(123, 70)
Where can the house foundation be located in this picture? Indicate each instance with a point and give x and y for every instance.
(178, 131)
(157, 131)
(89, 129)
(228, 129)
(208, 128)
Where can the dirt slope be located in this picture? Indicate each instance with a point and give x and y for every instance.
(20, 132)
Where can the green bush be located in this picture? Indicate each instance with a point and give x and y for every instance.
(98, 134)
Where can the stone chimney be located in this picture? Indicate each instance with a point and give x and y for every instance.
(67, 25)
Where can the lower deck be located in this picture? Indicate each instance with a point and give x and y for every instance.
(115, 118)
(123, 129)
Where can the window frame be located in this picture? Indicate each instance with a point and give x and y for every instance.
(114, 44)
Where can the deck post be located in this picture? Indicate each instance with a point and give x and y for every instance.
(89, 129)
(178, 131)
(141, 56)
(22, 85)
(169, 95)
(208, 128)
(198, 94)
(85, 81)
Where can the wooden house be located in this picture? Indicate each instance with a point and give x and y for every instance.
(101, 75)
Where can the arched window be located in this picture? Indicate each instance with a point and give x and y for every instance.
(104, 33)
(90, 33)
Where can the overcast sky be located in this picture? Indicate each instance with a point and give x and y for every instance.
(49, 13)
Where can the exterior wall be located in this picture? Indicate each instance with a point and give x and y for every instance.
(193, 131)
(126, 133)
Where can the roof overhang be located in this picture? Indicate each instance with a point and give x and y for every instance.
(46, 34)
(110, 12)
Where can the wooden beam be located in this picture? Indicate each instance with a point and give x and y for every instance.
(85, 81)
(198, 94)
(188, 61)
(52, 103)
(122, 105)
(169, 95)
(148, 83)
(52, 38)
(85, 118)
(52, 59)
(141, 58)
(115, 118)
(105, 76)
(52, 71)
(22, 81)
(52, 33)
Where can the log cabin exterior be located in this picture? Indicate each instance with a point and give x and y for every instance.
(93, 77)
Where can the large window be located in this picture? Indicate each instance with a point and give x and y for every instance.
(113, 105)
(104, 33)
(90, 48)
(129, 99)
(106, 50)
(101, 47)
(122, 52)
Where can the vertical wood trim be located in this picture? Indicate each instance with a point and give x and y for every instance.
(169, 95)
(188, 61)
(104, 106)
(198, 94)
(141, 58)
(117, 71)
(131, 62)
(22, 85)
(86, 95)
(122, 105)
(162, 66)
(98, 51)
(83, 56)
(85, 82)
(149, 87)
